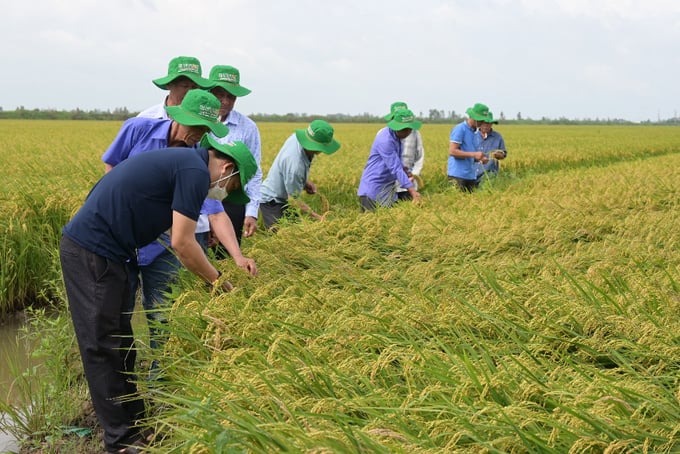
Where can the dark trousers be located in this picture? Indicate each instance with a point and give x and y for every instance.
(98, 289)
(237, 215)
(463, 184)
(271, 212)
(366, 204)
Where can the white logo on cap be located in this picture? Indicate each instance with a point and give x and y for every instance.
(188, 68)
(229, 77)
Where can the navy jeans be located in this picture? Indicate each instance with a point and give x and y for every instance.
(156, 281)
(98, 289)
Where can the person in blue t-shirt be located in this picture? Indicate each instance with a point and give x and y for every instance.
(464, 149)
(129, 207)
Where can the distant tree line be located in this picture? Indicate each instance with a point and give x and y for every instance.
(432, 116)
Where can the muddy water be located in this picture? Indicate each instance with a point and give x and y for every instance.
(15, 353)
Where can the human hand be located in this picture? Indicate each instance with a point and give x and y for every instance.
(246, 264)
(310, 188)
(499, 154)
(249, 226)
(226, 286)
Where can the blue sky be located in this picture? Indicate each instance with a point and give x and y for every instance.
(542, 58)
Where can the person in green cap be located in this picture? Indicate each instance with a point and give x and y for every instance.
(184, 74)
(464, 153)
(156, 265)
(384, 172)
(493, 146)
(412, 153)
(227, 88)
(289, 173)
(129, 207)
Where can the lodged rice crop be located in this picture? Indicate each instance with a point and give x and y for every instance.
(538, 314)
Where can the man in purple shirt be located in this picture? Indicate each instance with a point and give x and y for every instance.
(384, 173)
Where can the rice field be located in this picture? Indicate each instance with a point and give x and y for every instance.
(539, 314)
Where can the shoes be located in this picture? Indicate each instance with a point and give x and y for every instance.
(139, 444)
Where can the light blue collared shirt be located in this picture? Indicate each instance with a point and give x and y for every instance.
(245, 130)
(288, 173)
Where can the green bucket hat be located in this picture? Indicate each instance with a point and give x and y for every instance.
(318, 136)
(394, 107)
(478, 112)
(402, 119)
(199, 108)
(489, 119)
(228, 78)
(188, 67)
(245, 161)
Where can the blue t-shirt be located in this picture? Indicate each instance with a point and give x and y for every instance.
(132, 205)
(463, 168)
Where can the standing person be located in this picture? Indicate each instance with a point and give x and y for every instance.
(493, 146)
(289, 173)
(184, 74)
(464, 149)
(130, 206)
(226, 81)
(384, 171)
(412, 153)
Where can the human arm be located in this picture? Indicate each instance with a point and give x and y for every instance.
(456, 152)
(501, 152)
(190, 253)
(224, 231)
(304, 208)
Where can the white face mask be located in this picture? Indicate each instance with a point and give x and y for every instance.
(217, 192)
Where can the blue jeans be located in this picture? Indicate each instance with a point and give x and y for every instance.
(156, 281)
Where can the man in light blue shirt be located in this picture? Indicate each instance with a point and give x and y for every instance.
(226, 81)
(289, 173)
(464, 149)
(384, 173)
(184, 74)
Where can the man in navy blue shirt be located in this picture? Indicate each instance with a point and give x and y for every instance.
(129, 207)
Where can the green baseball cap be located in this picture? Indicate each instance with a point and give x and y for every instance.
(398, 105)
(318, 136)
(403, 119)
(188, 67)
(479, 112)
(199, 108)
(245, 161)
(228, 78)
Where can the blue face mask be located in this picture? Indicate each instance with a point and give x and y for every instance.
(217, 192)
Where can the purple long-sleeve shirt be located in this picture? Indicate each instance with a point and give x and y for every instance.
(383, 169)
